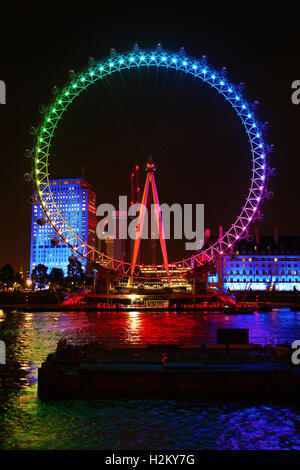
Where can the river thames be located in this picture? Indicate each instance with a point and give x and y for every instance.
(30, 423)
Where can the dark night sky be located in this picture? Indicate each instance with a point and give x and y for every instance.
(195, 138)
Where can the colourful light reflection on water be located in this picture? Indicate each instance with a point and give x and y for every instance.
(29, 423)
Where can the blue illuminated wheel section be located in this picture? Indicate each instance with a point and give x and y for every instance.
(159, 58)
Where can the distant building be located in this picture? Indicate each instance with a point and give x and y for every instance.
(266, 263)
(77, 203)
(115, 245)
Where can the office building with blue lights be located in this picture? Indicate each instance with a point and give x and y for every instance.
(267, 263)
(77, 203)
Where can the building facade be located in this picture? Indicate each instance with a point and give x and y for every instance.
(115, 246)
(77, 203)
(266, 263)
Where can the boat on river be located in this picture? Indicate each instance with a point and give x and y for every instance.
(145, 370)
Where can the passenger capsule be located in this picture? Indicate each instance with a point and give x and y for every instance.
(42, 109)
(32, 130)
(272, 171)
(244, 234)
(260, 216)
(54, 241)
(28, 153)
(269, 194)
(32, 200)
(27, 177)
(41, 221)
(271, 148)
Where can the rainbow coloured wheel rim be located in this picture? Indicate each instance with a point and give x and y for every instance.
(157, 57)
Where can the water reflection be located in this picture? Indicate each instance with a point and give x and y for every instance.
(30, 423)
(148, 424)
(134, 324)
(2, 315)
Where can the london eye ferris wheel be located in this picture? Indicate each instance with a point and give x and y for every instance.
(44, 134)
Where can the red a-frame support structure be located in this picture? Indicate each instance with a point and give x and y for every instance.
(150, 180)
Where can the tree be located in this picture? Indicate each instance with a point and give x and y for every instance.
(89, 279)
(39, 276)
(75, 273)
(7, 276)
(56, 278)
(104, 279)
(19, 279)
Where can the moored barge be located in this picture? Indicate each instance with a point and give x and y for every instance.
(106, 371)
